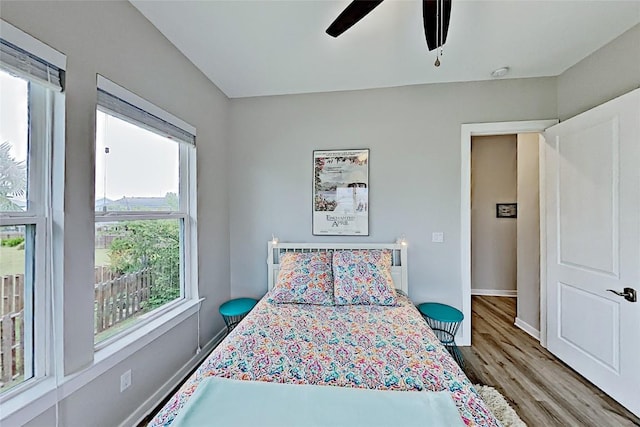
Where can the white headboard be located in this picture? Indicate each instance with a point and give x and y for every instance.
(398, 257)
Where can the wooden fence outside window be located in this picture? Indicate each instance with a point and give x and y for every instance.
(120, 298)
(117, 298)
(11, 328)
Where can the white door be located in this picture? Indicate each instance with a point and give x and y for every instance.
(593, 245)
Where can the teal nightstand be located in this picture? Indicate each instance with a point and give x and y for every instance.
(445, 321)
(233, 311)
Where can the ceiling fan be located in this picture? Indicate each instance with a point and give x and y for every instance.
(435, 16)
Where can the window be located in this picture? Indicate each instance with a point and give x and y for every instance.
(17, 249)
(28, 84)
(144, 210)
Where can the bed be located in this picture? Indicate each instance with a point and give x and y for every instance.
(364, 346)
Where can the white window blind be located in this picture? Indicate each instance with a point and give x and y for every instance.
(116, 100)
(24, 64)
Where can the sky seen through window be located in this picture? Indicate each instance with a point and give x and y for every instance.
(140, 163)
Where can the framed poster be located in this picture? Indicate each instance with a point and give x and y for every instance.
(341, 193)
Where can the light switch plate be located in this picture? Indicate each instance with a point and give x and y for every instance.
(437, 237)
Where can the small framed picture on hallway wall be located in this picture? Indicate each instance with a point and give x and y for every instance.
(506, 210)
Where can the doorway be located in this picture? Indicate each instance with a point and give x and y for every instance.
(494, 209)
(483, 129)
(505, 223)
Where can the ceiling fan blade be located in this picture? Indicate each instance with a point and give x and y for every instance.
(356, 10)
(430, 19)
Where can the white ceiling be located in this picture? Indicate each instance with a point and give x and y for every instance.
(254, 48)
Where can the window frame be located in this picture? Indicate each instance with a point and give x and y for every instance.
(38, 345)
(186, 212)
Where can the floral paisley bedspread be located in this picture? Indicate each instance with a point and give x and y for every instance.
(375, 347)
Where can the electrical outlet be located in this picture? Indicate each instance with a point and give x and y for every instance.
(437, 237)
(125, 381)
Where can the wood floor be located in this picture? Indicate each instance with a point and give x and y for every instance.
(542, 390)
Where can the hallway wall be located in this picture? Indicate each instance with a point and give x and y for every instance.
(528, 231)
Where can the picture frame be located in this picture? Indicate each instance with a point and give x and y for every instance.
(506, 210)
(340, 199)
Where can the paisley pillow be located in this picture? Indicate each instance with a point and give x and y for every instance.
(304, 278)
(363, 277)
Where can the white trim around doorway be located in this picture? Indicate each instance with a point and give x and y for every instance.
(467, 131)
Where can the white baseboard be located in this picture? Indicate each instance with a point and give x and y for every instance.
(149, 405)
(527, 328)
(495, 292)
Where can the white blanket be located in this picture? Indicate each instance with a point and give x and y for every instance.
(226, 402)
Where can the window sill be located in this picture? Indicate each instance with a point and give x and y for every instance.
(122, 348)
(43, 394)
(144, 322)
(34, 399)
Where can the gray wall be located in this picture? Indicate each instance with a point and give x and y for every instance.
(528, 310)
(608, 73)
(414, 136)
(494, 179)
(115, 40)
